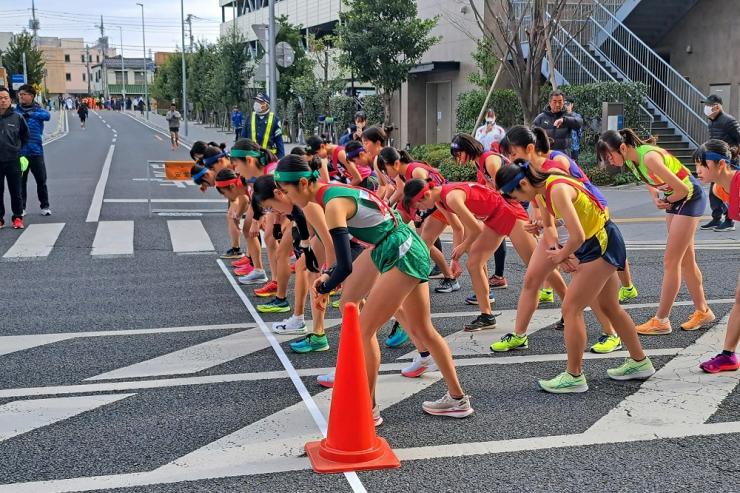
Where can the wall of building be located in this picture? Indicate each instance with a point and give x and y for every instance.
(703, 48)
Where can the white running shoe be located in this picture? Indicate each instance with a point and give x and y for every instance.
(419, 366)
(447, 406)
(254, 277)
(46, 212)
(292, 325)
(326, 380)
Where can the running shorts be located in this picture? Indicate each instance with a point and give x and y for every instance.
(695, 206)
(503, 219)
(174, 130)
(405, 250)
(607, 244)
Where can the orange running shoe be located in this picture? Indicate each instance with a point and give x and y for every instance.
(243, 271)
(699, 320)
(268, 290)
(654, 327)
(242, 262)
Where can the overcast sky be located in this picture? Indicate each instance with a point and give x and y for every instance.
(75, 19)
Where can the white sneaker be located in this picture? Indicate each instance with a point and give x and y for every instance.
(254, 277)
(447, 406)
(292, 325)
(46, 212)
(419, 366)
(326, 380)
(24, 213)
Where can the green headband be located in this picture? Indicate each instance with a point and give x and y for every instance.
(243, 153)
(295, 176)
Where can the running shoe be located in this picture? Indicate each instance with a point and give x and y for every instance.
(727, 225)
(377, 418)
(654, 327)
(312, 343)
(326, 380)
(397, 337)
(497, 282)
(721, 362)
(447, 406)
(292, 267)
(472, 300)
(510, 341)
(711, 224)
(435, 273)
(607, 343)
(241, 262)
(565, 383)
(632, 370)
(447, 286)
(699, 320)
(419, 366)
(560, 324)
(277, 305)
(243, 270)
(292, 325)
(269, 289)
(2, 223)
(629, 293)
(18, 223)
(335, 304)
(46, 212)
(547, 296)
(482, 321)
(232, 253)
(257, 276)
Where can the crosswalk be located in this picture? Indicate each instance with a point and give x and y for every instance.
(112, 239)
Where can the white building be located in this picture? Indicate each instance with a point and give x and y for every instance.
(113, 78)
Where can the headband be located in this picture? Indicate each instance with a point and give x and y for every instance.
(295, 176)
(227, 183)
(353, 154)
(200, 174)
(514, 183)
(210, 161)
(714, 156)
(245, 153)
(421, 193)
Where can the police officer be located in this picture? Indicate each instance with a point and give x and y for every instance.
(263, 126)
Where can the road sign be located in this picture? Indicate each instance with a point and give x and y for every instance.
(284, 54)
(17, 80)
(261, 31)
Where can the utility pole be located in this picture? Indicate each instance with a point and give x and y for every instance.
(189, 20)
(184, 72)
(272, 89)
(25, 69)
(87, 63)
(34, 23)
(123, 71)
(146, 63)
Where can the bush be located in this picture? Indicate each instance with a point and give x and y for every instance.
(457, 172)
(504, 102)
(438, 155)
(342, 108)
(373, 106)
(599, 176)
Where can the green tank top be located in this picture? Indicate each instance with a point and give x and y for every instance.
(372, 222)
(674, 165)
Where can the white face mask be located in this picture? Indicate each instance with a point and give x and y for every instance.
(490, 121)
(708, 110)
(257, 107)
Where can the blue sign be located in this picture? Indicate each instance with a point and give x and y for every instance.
(17, 78)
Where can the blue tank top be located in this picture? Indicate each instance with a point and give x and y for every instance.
(576, 172)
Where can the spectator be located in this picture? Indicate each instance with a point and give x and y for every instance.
(489, 133)
(35, 117)
(575, 134)
(237, 121)
(558, 123)
(723, 127)
(354, 132)
(13, 136)
(263, 127)
(173, 118)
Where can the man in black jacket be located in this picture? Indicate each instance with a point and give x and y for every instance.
(13, 136)
(558, 123)
(723, 127)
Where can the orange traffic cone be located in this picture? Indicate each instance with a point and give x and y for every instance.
(351, 443)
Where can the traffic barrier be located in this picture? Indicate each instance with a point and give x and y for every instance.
(351, 443)
(175, 171)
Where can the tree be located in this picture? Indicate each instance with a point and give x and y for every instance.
(381, 40)
(487, 63)
(13, 58)
(501, 23)
(233, 70)
(167, 84)
(291, 34)
(203, 65)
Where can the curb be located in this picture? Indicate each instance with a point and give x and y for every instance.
(59, 132)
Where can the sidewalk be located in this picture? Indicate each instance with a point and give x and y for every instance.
(55, 126)
(196, 131)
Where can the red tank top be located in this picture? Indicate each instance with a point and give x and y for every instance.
(433, 173)
(734, 203)
(479, 199)
(483, 176)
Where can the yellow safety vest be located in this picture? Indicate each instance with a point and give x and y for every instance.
(268, 129)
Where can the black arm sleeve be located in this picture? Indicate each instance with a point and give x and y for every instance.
(300, 221)
(343, 252)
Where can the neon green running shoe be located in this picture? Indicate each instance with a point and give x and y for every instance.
(629, 293)
(275, 306)
(510, 341)
(607, 343)
(547, 296)
(335, 303)
(311, 343)
(565, 383)
(632, 370)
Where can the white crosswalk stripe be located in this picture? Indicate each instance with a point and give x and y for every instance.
(36, 241)
(189, 236)
(114, 238)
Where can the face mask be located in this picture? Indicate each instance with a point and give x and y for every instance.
(490, 121)
(708, 110)
(257, 107)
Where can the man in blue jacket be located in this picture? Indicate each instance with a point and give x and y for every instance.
(35, 117)
(237, 121)
(263, 126)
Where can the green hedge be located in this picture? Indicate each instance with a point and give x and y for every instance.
(438, 155)
(504, 102)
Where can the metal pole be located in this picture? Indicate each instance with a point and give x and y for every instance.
(184, 73)
(488, 97)
(25, 68)
(123, 72)
(146, 63)
(271, 54)
(87, 66)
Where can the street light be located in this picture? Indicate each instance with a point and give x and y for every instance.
(146, 65)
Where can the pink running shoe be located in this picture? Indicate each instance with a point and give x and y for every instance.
(721, 362)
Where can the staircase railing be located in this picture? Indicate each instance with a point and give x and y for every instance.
(671, 94)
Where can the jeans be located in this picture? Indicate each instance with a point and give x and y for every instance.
(719, 208)
(36, 166)
(11, 171)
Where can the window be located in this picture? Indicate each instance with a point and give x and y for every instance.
(84, 77)
(82, 58)
(97, 58)
(66, 58)
(68, 77)
(138, 77)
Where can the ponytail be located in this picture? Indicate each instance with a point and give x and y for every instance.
(467, 144)
(405, 156)
(388, 156)
(542, 140)
(521, 136)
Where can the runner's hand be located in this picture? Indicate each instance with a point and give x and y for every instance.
(459, 250)
(456, 269)
(318, 282)
(254, 229)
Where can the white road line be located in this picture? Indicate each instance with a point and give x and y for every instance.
(97, 202)
(164, 201)
(107, 125)
(114, 238)
(189, 236)
(19, 417)
(35, 242)
(114, 140)
(12, 344)
(156, 129)
(195, 358)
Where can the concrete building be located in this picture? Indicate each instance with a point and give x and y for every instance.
(113, 78)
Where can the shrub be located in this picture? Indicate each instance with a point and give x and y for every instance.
(457, 172)
(431, 153)
(599, 176)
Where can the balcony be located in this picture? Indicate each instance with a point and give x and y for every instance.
(130, 88)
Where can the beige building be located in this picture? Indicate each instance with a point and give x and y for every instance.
(69, 65)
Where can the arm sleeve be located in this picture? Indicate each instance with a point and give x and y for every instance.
(573, 121)
(42, 114)
(300, 221)
(24, 133)
(340, 237)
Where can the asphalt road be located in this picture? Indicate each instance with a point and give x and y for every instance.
(130, 364)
